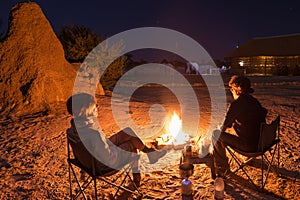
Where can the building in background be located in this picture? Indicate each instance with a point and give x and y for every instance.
(277, 55)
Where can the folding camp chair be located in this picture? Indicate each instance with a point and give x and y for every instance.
(91, 175)
(268, 142)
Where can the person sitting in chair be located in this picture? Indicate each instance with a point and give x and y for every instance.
(244, 115)
(113, 152)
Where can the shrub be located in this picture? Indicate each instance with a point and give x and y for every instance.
(77, 42)
(113, 73)
(107, 55)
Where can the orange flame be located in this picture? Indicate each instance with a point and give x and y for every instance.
(175, 125)
(175, 130)
(174, 135)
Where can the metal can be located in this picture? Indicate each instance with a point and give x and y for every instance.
(186, 187)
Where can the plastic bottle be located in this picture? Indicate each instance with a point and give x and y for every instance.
(219, 188)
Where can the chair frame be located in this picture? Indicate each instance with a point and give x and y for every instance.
(262, 150)
(92, 176)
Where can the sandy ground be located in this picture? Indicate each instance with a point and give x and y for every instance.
(33, 153)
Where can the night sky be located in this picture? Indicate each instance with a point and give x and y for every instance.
(217, 25)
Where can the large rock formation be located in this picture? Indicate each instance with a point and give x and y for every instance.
(34, 75)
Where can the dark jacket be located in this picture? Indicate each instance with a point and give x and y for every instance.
(93, 143)
(246, 114)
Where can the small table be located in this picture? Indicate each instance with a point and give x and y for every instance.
(195, 159)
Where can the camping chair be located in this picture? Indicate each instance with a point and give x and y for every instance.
(91, 175)
(268, 142)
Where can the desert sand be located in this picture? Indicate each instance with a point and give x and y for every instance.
(34, 154)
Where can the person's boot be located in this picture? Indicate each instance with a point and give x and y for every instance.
(156, 155)
(153, 154)
(137, 179)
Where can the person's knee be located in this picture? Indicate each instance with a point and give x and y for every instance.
(128, 131)
(128, 146)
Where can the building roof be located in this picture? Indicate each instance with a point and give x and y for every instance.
(286, 45)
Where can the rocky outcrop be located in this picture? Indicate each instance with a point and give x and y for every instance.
(34, 75)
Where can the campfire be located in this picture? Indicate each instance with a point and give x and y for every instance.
(174, 137)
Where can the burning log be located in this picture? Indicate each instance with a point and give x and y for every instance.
(169, 142)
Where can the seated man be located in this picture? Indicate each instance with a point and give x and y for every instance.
(245, 115)
(113, 152)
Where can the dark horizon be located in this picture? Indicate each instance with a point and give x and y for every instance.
(216, 25)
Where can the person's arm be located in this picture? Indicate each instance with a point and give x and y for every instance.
(263, 111)
(231, 115)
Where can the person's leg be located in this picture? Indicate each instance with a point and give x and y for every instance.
(127, 135)
(136, 174)
(220, 158)
(128, 146)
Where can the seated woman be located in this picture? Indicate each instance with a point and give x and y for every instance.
(113, 152)
(245, 115)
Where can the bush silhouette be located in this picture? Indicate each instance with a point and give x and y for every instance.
(77, 42)
(113, 73)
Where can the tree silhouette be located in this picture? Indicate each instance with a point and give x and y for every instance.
(77, 42)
